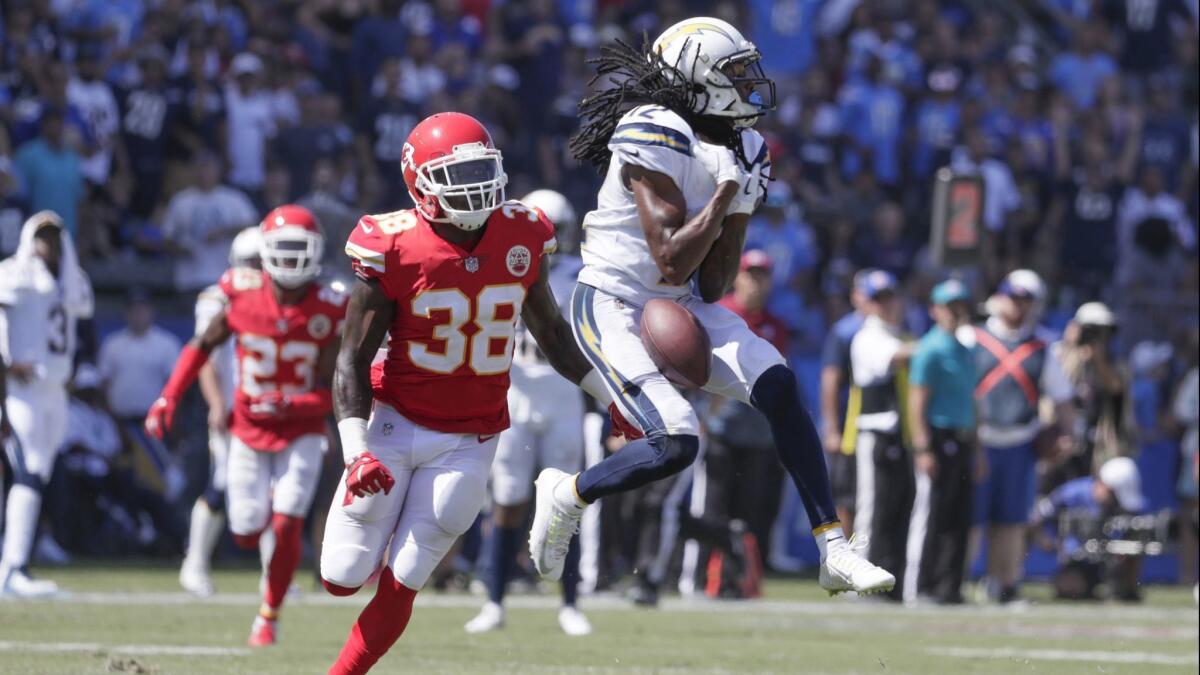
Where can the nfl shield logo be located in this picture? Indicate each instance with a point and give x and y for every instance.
(472, 264)
(281, 325)
(387, 428)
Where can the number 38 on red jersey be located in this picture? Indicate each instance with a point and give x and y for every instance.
(451, 343)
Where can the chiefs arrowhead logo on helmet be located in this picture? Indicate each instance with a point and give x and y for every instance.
(453, 172)
(292, 246)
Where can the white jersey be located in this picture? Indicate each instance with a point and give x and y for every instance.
(537, 389)
(616, 257)
(37, 321)
(210, 302)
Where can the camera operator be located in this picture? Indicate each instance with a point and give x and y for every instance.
(1115, 490)
(1100, 385)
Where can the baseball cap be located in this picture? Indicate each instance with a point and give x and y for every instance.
(950, 290)
(245, 64)
(1121, 476)
(1023, 284)
(1095, 314)
(756, 258)
(874, 283)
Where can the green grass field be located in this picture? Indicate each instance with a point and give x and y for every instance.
(134, 619)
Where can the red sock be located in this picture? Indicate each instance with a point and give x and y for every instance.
(284, 560)
(378, 627)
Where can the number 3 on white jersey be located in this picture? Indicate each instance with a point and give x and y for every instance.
(458, 308)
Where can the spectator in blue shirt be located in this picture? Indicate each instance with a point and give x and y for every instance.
(937, 120)
(1082, 70)
(50, 172)
(872, 116)
(783, 31)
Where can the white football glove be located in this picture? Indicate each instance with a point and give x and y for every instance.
(752, 192)
(720, 163)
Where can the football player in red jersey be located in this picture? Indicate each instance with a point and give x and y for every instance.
(445, 283)
(287, 328)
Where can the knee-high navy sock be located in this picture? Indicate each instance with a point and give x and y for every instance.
(638, 463)
(570, 577)
(502, 554)
(796, 441)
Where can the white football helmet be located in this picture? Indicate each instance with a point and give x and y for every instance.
(707, 52)
(246, 250)
(558, 210)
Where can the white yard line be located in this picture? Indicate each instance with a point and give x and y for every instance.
(1148, 658)
(134, 650)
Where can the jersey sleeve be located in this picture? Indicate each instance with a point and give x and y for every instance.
(211, 301)
(544, 231)
(371, 248)
(654, 139)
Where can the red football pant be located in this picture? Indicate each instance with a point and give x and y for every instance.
(381, 623)
(284, 560)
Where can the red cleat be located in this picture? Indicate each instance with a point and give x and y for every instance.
(262, 632)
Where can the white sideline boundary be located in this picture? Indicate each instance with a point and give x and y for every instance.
(1184, 616)
(1141, 658)
(131, 650)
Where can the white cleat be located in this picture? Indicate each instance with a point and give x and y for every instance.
(16, 583)
(573, 622)
(490, 618)
(553, 526)
(195, 579)
(845, 569)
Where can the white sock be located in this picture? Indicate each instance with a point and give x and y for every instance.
(567, 498)
(204, 533)
(266, 547)
(24, 505)
(830, 535)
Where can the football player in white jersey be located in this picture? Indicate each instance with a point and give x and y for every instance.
(684, 173)
(43, 292)
(546, 411)
(216, 385)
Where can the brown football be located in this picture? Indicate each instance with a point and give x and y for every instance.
(677, 343)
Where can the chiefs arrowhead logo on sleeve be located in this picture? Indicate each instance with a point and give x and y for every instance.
(518, 261)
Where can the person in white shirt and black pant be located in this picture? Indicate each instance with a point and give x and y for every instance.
(879, 357)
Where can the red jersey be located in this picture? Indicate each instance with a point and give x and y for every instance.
(278, 350)
(763, 323)
(451, 343)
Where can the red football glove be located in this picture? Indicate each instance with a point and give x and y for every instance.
(161, 417)
(621, 426)
(367, 476)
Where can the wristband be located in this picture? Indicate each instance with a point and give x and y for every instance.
(353, 432)
(593, 384)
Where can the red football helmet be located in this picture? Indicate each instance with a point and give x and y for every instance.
(292, 246)
(453, 172)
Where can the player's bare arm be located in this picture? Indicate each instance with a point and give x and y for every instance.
(553, 335)
(720, 266)
(368, 317)
(678, 245)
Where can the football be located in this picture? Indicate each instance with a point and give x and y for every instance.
(677, 343)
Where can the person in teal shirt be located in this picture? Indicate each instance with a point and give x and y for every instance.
(941, 410)
(50, 172)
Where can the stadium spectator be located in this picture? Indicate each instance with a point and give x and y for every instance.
(941, 417)
(1082, 69)
(1015, 370)
(201, 222)
(320, 135)
(51, 171)
(13, 208)
(252, 123)
(147, 119)
(93, 98)
(337, 217)
(879, 357)
(136, 361)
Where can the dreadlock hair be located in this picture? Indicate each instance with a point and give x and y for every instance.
(641, 77)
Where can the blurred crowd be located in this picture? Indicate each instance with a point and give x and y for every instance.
(159, 129)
